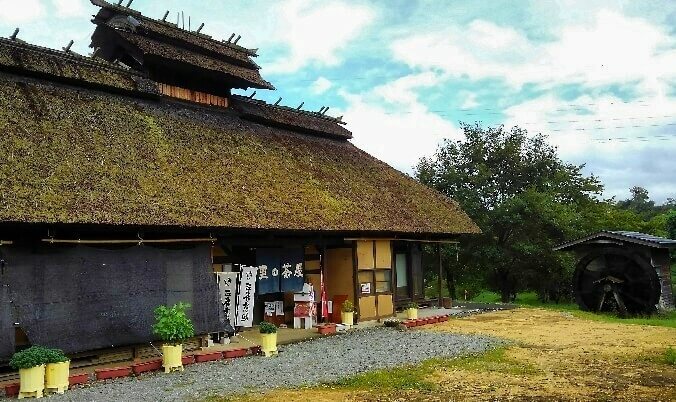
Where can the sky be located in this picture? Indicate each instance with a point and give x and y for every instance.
(597, 77)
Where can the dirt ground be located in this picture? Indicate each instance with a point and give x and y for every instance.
(554, 356)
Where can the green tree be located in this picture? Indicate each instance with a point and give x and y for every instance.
(671, 224)
(640, 203)
(524, 199)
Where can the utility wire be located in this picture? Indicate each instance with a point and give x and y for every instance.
(611, 128)
(497, 111)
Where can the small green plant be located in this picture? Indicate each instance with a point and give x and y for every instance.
(670, 356)
(412, 305)
(392, 323)
(55, 356)
(347, 307)
(172, 324)
(29, 358)
(267, 328)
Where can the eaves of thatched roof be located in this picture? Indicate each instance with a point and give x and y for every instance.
(173, 32)
(172, 54)
(286, 117)
(81, 147)
(27, 59)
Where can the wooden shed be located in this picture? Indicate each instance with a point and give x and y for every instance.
(130, 177)
(627, 271)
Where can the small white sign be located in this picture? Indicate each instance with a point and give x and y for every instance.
(245, 296)
(227, 286)
(366, 288)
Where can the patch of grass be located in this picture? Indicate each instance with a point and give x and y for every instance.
(495, 360)
(670, 356)
(406, 377)
(524, 299)
(417, 377)
(486, 297)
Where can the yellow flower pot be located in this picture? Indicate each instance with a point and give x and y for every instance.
(412, 313)
(56, 377)
(269, 344)
(171, 358)
(347, 318)
(32, 382)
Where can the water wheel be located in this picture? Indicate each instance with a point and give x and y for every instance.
(613, 279)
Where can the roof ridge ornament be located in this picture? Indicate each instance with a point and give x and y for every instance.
(16, 32)
(68, 46)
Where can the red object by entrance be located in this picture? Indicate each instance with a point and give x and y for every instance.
(338, 301)
(12, 390)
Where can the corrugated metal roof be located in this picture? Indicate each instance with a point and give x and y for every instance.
(619, 236)
(646, 237)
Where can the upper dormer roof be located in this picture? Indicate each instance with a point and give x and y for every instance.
(166, 51)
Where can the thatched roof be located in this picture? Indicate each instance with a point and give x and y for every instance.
(38, 61)
(165, 40)
(171, 31)
(75, 155)
(173, 54)
(286, 117)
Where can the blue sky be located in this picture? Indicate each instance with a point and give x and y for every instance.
(598, 77)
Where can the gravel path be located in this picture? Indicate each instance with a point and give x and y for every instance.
(306, 363)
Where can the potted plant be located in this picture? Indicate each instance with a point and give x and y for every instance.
(173, 326)
(412, 311)
(347, 313)
(268, 332)
(392, 323)
(57, 371)
(31, 365)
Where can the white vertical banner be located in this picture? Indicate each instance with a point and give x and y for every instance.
(227, 286)
(245, 296)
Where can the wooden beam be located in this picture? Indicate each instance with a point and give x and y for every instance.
(355, 273)
(398, 239)
(127, 241)
(322, 271)
(440, 272)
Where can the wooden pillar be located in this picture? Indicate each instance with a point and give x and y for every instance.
(440, 272)
(322, 270)
(355, 273)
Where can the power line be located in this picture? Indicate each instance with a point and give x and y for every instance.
(612, 128)
(634, 139)
(498, 111)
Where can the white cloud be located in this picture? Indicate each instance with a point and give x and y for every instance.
(69, 8)
(624, 143)
(469, 101)
(390, 123)
(402, 90)
(315, 31)
(604, 48)
(614, 48)
(321, 85)
(400, 138)
(14, 12)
